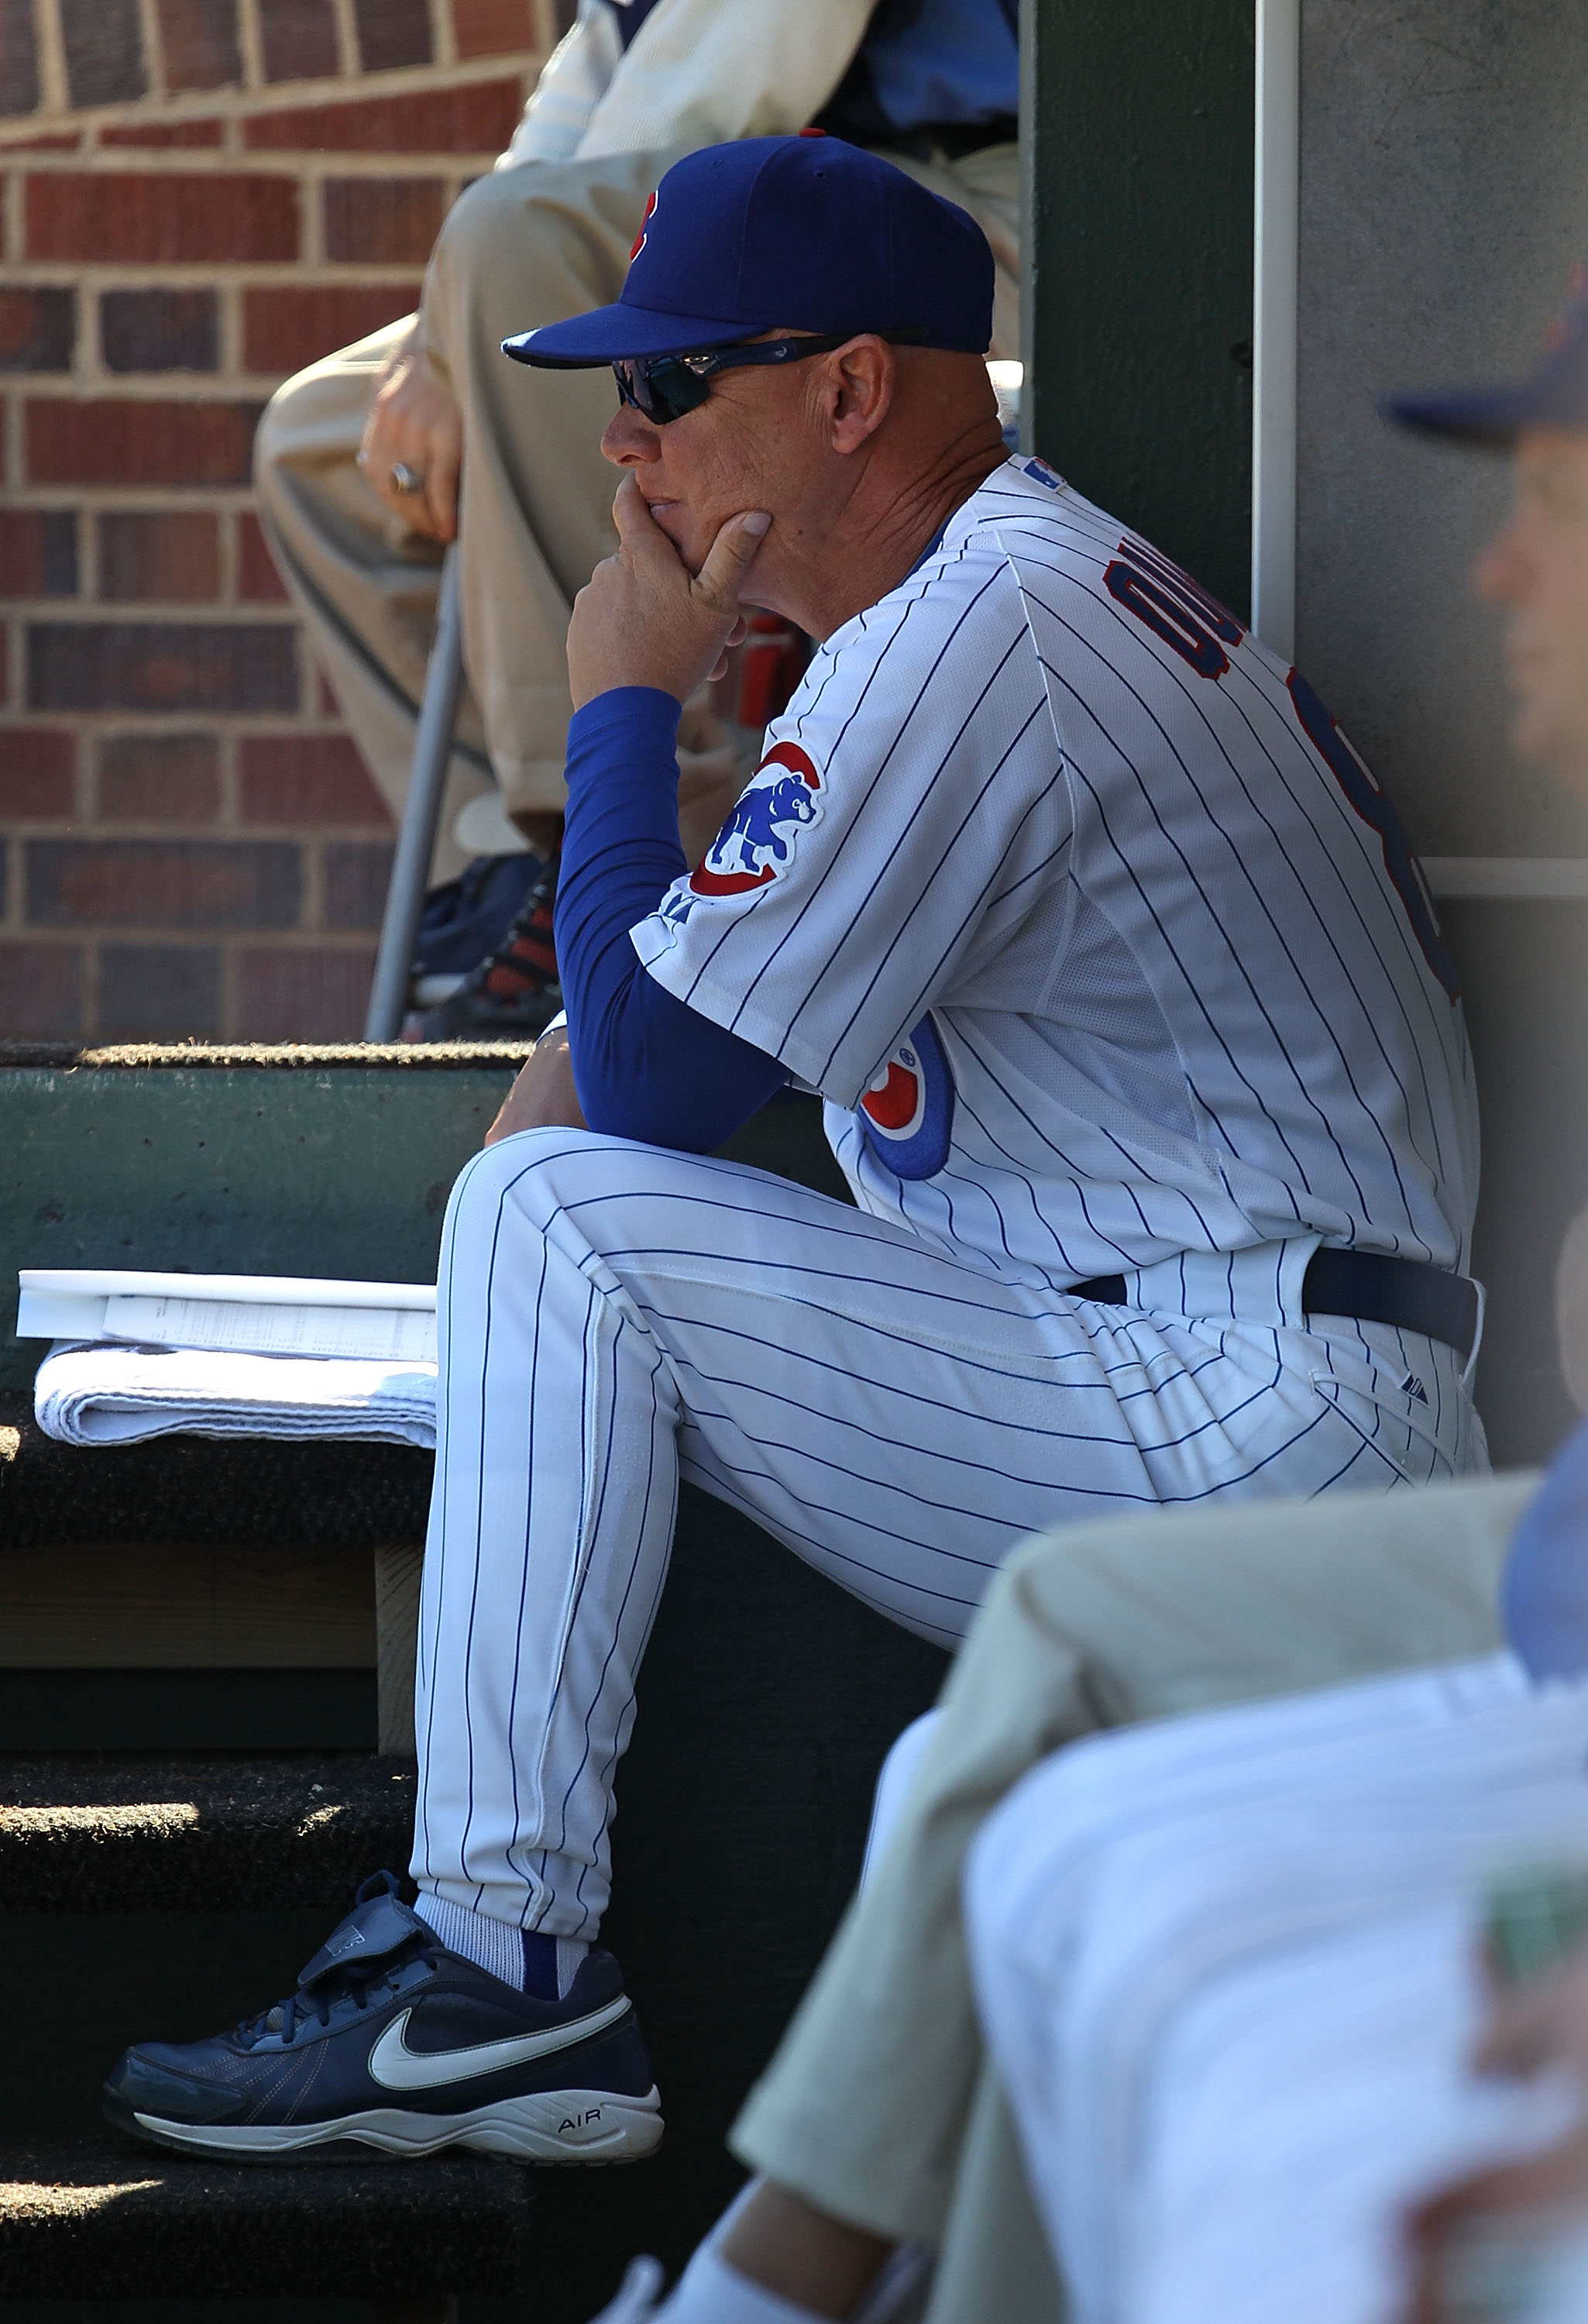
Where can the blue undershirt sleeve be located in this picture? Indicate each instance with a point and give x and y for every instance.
(645, 1066)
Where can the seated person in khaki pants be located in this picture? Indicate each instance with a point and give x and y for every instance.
(358, 458)
(879, 2121)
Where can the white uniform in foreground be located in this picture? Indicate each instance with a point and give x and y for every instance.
(1228, 1967)
(1108, 957)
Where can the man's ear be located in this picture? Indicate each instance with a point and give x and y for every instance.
(862, 375)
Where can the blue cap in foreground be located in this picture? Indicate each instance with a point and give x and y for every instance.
(798, 234)
(1544, 1589)
(1554, 396)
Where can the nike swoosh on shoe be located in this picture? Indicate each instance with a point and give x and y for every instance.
(396, 2067)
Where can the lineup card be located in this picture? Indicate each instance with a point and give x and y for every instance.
(395, 1334)
(262, 1314)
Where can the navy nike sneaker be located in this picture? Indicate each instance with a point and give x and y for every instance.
(391, 2041)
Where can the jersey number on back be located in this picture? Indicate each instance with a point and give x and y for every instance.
(1367, 797)
(1173, 607)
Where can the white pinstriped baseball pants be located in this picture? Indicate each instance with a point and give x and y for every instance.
(612, 1315)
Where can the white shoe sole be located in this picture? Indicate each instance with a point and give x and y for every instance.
(566, 2127)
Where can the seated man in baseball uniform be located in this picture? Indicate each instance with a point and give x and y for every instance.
(1140, 1050)
(879, 2118)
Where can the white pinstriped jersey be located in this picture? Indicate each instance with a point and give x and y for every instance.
(1097, 937)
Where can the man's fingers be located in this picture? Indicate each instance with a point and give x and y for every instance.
(381, 449)
(736, 636)
(1517, 2038)
(1543, 2024)
(415, 421)
(644, 619)
(441, 473)
(731, 553)
(636, 527)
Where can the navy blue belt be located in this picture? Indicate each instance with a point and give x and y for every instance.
(1405, 1293)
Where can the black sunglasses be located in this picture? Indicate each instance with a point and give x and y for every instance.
(664, 387)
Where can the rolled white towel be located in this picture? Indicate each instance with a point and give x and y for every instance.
(107, 1393)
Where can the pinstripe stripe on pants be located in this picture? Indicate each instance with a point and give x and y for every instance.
(613, 1316)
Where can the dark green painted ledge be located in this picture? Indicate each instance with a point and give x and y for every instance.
(265, 1161)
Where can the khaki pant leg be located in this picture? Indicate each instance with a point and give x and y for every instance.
(994, 2258)
(520, 248)
(988, 185)
(863, 2109)
(363, 585)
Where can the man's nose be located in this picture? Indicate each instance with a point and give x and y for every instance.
(629, 438)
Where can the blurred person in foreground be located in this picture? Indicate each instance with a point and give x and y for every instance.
(879, 2121)
(1536, 569)
(369, 462)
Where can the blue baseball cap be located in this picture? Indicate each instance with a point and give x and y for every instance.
(1555, 395)
(803, 234)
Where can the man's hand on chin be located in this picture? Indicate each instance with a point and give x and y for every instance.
(642, 619)
(543, 1097)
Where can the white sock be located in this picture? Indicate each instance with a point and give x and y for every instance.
(710, 2291)
(522, 1959)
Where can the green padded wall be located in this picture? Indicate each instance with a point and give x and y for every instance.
(1138, 142)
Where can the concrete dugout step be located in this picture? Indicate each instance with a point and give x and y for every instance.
(88, 2220)
(242, 1493)
(169, 1896)
(94, 2232)
(113, 1834)
(191, 1593)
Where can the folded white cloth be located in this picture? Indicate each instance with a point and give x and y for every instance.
(107, 1393)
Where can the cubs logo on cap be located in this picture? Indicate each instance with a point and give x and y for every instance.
(756, 843)
(787, 234)
(650, 213)
(907, 1115)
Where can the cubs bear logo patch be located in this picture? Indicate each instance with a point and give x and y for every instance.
(756, 843)
(907, 1115)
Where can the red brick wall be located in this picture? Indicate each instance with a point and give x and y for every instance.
(198, 197)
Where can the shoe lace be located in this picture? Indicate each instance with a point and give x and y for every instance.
(314, 2004)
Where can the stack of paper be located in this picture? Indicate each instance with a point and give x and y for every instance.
(139, 1354)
